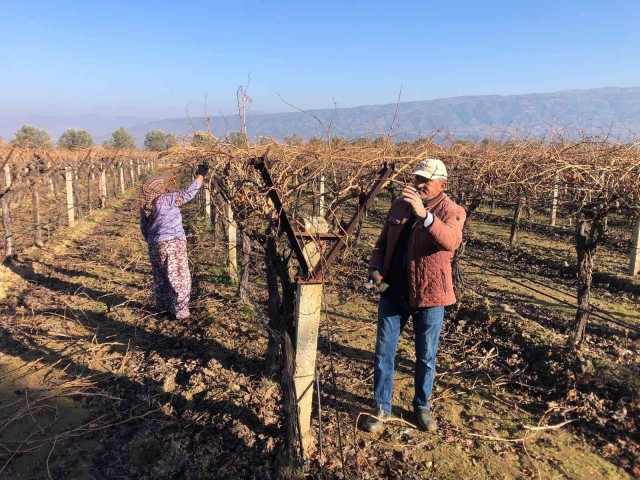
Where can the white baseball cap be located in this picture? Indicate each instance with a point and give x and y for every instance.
(431, 168)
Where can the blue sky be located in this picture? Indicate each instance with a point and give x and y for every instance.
(156, 58)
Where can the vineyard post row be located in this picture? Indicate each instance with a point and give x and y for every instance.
(590, 179)
(25, 170)
(557, 198)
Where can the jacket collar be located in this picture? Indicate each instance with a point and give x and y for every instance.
(435, 201)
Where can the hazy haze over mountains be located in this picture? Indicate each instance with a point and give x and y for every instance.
(596, 110)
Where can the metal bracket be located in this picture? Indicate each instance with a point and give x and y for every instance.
(284, 223)
(364, 202)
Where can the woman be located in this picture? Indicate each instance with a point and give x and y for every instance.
(161, 225)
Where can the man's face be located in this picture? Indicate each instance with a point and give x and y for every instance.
(428, 189)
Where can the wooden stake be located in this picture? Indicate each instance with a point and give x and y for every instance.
(90, 181)
(515, 223)
(245, 261)
(76, 195)
(35, 198)
(56, 195)
(103, 188)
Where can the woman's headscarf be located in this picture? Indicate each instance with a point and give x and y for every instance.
(152, 188)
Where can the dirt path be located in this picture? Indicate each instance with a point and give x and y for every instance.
(104, 388)
(474, 400)
(151, 396)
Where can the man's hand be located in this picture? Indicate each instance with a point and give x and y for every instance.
(381, 287)
(374, 275)
(376, 279)
(412, 197)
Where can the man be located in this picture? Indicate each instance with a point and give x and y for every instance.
(411, 267)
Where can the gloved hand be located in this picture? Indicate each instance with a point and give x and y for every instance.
(381, 287)
(203, 169)
(374, 275)
(375, 278)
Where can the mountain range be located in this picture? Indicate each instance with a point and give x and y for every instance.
(608, 109)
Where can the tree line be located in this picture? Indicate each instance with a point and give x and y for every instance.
(29, 136)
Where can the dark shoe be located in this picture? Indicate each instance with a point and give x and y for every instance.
(425, 421)
(376, 420)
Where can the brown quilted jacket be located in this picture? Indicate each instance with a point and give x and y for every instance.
(430, 251)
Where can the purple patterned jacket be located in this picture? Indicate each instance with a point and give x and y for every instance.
(166, 221)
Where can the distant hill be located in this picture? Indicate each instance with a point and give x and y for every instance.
(596, 110)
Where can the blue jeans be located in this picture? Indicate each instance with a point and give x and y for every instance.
(427, 323)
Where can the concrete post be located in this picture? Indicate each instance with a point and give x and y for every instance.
(121, 172)
(308, 312)
(207, 201)
(554, 205)
(232, 242)
(132, 173)
(634, 257)
(312, 249)
(7, 176)
(321, 201)
(7, 224)
(68, 176)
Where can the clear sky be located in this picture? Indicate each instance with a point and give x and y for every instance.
(154, 58)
